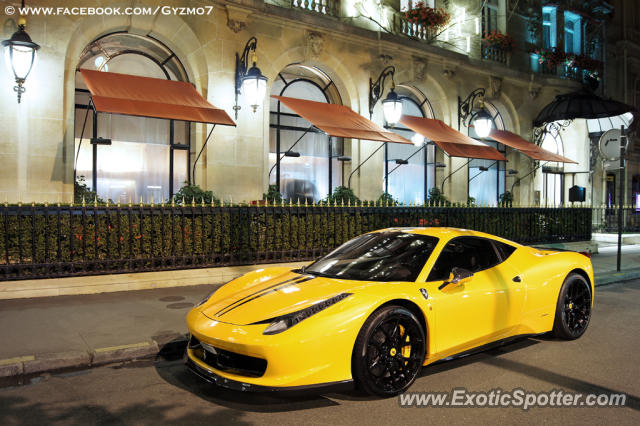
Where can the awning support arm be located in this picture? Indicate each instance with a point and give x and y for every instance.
(290, 148)
(360, 165)
(406, 159)
(193, 175)
(520, 179)
(449, 175)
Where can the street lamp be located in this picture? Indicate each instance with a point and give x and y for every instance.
(392, 104)
(417, 139)
(482, 120)
(250, 82)
(20, 56)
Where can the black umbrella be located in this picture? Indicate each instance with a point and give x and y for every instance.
(582, 104)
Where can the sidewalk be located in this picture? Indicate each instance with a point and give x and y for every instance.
(73, 332)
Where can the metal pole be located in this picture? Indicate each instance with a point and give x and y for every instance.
(277, 152)
(330, 165)
(386, 168)
(94, 175)
(426, 172)
(621, 197)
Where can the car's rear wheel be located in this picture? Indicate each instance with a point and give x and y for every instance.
(389, 351)
(573, 310)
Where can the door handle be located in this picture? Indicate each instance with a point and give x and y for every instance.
(517, 279)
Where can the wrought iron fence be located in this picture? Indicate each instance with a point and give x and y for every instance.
(605, 219)
(40, 241)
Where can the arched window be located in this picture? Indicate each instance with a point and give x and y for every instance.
(553, 173)
(487, 177)
(410, 183)
(306, 167)
(148, 158)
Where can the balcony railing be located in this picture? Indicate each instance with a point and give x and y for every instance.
(496, 54)
(324, 7)
(400, 25)
(46, 241)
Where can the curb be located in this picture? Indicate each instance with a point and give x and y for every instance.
(16, 370)
(616, 277)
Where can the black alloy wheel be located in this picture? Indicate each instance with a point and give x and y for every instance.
(573, 310)
(389, 351)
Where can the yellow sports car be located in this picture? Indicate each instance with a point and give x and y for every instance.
(381, 306)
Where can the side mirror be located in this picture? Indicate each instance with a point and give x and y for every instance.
(457, 276)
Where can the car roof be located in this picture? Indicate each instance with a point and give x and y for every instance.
(446, 233)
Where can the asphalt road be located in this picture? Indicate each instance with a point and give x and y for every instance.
(604, 360)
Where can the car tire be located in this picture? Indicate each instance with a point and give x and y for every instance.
(389, 352)
(573, 308)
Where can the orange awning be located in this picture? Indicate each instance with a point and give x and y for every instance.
(450, 140)
(527, 148)
(151, 97)
(340, 121)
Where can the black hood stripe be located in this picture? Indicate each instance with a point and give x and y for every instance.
(253, 294)
(268, 291)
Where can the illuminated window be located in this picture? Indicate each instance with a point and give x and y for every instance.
(490, 16)
(305, 176)
(487, 177)
(572, 33)
(552, 173)
(148, 158)
(408, 183)
(549, 27)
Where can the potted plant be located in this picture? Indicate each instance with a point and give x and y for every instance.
(434, 20)
(496, 39)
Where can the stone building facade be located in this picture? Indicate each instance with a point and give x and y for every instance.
(344, 43)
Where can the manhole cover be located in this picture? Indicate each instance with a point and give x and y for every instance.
(179, 305)
(171, 298)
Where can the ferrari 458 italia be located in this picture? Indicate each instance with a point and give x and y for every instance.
(383, 305)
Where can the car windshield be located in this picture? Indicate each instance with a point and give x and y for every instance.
(380, 256)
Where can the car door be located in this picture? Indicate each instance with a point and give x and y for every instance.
(484, 308)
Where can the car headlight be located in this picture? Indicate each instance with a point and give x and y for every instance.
(285, 322)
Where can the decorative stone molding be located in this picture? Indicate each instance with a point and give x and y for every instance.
(315, 44)
(495, 86)
(419, 69)
(236, 18)
(534, 91)
(448, 72)
(385, 59)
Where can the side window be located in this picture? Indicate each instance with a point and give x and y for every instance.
(505, 250)
(471, 253)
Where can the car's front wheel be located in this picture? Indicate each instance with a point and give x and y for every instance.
(573, 310)
(389, 351)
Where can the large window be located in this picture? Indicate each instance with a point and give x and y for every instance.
(572, 33)
(410, 183)
(549, 17)
(148, 158)
(490, 16)
(311, 155)
(553, 173)
(487, 177)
